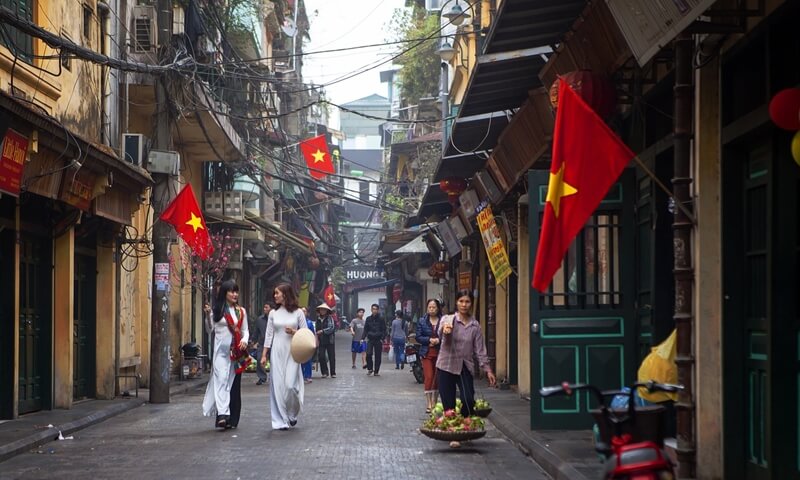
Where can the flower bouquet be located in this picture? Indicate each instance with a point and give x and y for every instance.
(448, 425)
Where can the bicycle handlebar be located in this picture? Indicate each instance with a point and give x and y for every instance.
(567, 388)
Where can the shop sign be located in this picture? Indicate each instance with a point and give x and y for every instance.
(493, 242)
(79, 191)
(352, 275)
(464, 280)
(12, 161)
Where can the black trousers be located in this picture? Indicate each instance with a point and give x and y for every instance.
(327, 354)
(447, 390)
(376, 347)
(236, 400)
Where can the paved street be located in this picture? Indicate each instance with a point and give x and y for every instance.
(353, 426)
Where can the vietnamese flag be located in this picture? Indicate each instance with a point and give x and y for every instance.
(588, 157)
(329, 296)
(184, 214)
(318, 158)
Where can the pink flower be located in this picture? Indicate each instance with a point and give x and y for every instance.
(450, 413)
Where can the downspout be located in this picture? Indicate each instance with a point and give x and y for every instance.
(683, 270)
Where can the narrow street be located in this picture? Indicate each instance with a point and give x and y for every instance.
(352, 426)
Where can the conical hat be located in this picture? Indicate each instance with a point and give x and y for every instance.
(325, 307)
(303, 345)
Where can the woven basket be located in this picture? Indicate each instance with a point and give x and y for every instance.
(452, 436)
(482, 412)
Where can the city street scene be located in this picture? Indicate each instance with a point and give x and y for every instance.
(478, 239)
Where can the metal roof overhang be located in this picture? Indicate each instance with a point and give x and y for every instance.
(517, 47)
(434, 202)
(285, 237)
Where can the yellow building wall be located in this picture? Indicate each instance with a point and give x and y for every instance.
(523, 305)
(63, 331)
(106, 308)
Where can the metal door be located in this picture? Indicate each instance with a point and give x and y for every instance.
(34, 323)
(582, 329)
(84, 311)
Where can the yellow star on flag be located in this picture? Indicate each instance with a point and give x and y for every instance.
(319, 156)
(196, 222)
(557, 188)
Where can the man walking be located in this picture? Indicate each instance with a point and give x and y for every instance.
(358, 345)
(374, 333)
(260, 332)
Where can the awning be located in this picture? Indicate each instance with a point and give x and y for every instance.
(434, 202)
(376, 285)
(228, 222)
(519, 43)
(414, 246)
(285, 237)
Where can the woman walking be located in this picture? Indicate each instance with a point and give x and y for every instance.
(286, 387)
(461, 341)
(428, 338)
(307, 366)
(326, 332)
(398, 335)
(229, 357)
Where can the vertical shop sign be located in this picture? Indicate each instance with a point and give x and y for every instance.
(493, 242)
(12, 161)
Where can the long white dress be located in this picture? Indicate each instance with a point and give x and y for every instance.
(217, 400)
(286, 385)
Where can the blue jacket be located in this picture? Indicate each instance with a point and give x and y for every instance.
(424, 334)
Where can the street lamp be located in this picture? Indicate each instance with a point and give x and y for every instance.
(446, 52)
(456, 15)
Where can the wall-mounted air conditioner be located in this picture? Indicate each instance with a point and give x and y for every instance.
(133, 147)
(488, 187)
(145, 27)
(161, 161)
(226, 204)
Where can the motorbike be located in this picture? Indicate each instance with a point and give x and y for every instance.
(632, 453)
(414, 361)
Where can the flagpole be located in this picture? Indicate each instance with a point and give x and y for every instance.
(666, 190)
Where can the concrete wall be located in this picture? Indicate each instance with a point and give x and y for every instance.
(106, 308)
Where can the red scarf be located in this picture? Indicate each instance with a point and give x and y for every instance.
(238, 355)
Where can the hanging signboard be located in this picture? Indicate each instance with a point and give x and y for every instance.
(12, 159)
(493, 242)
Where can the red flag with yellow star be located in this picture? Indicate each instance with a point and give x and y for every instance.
(184, 214)
(318, 158)
(588, 157)
(329, 296)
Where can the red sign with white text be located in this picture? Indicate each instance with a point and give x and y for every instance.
(12, 160)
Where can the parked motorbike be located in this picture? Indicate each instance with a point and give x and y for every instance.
(414, 361)
(633, 453)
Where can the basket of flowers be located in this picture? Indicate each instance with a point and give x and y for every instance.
(482, 408)
(447, 425)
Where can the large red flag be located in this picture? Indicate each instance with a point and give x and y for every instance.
(329, 295)
(588, 157)
(184, 214)
(318, 159)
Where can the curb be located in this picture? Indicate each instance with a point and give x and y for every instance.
(50, 434)
(549, 461)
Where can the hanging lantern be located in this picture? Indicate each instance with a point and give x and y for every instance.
(453, 187)
(595, 89)
(784, 109)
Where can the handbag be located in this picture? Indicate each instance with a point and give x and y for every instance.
(391, 353)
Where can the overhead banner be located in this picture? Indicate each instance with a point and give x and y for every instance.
(493, 242)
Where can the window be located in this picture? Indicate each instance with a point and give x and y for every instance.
(87, 21)
(20, 44)
(66, 59)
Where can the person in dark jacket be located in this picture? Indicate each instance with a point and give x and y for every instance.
(260, 331)
(327, 336)
(374, 333)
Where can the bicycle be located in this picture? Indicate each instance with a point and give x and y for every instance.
(631, 455)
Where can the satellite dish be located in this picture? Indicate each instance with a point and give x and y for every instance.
(289, 27)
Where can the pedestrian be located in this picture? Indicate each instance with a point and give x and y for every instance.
(229, 357)
(357, 331)
(398, 336)
(258, 335)
(461, 341)
(374, 333)
(286, 387)
(327, 340)
(428, 337)
(307, 366)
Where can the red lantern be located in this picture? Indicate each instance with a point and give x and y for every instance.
(784, 109)
(453, 187)
(595, 89)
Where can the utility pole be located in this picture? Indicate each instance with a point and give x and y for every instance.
(159, 313)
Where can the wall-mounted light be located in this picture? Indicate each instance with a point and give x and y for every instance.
(456, 15)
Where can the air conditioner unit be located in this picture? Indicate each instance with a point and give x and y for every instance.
(232, 205)
(488, 187)
(134, 145)
(160, 161)
(145, 26)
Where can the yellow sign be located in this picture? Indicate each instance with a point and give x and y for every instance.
(495, 250)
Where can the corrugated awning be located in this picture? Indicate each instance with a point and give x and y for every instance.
(518, 45)
(285, 237)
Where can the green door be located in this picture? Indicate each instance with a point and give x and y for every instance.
(34, 322)
(582, 329)
(84, 308)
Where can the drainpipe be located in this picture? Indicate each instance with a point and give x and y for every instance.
(683, 270)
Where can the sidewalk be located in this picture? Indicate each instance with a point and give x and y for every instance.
(36, 429)
(563, 454)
